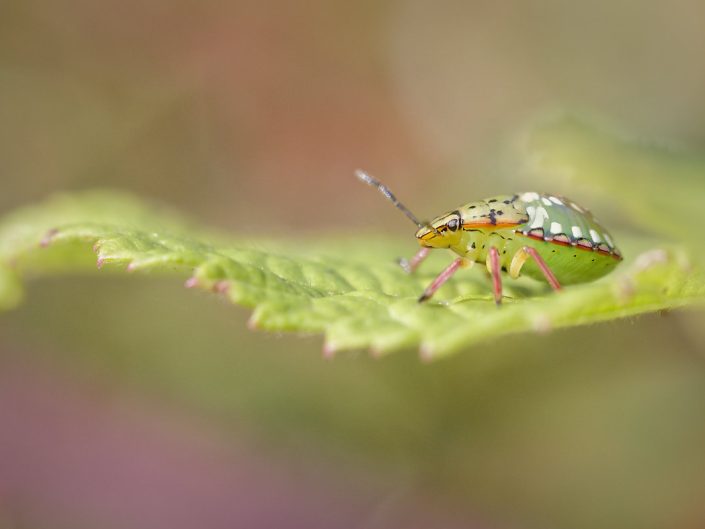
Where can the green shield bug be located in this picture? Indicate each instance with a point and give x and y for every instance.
(539, 235)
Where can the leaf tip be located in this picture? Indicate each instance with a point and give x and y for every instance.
(191, 282)
(48, 237)
(650, 259)
(426, 352)
(329, 350)
(221, 287)
(252, 323)
(376, 352)
(625, 287)
(542, 324)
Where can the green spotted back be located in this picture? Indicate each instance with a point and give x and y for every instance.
(560, 220)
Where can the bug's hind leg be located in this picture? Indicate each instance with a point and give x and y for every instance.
(547, 272)
(494, 267)
(443, 277)
(523, 255)
(410, 265)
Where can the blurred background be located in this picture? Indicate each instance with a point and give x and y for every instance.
(130, 402)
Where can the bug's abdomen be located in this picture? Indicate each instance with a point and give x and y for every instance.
(571, 241)
(569, 263)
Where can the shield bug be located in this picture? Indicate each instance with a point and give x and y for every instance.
(540, 235)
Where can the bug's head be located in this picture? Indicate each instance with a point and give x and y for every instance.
(441, 232)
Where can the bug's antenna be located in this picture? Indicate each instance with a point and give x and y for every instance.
(362, 175)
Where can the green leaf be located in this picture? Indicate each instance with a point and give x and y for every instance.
(351, 291)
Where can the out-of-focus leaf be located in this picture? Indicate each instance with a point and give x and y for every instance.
(661, 188)
(10, 288)
(357, 297)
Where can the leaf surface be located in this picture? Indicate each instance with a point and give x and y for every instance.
(358, 298)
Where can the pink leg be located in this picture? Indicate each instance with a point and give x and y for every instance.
(496, 278)
(410, 266)
(442, 278)
(544, 267)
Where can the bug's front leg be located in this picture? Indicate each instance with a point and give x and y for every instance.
(410, 265)
(444, 276)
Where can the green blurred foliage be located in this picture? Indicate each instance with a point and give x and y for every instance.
(661, 188)
(252, 116)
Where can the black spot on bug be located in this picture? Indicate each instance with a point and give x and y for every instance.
(472, 207)
(575, 255)
(493, 217)
(492, 200)
(473, 246)
(507, 201)
(500, 212)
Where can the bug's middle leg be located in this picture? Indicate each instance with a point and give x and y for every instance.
(494, 267)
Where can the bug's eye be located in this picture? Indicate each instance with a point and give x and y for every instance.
(453, 224)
